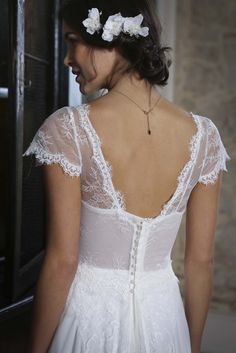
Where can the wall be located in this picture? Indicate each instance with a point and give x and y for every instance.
(205, 83)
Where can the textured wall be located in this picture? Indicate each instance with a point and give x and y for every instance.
(205, 83)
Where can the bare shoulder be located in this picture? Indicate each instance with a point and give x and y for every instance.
(104, 104)
(177, 116)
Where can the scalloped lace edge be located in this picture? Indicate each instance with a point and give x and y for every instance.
(211, 177)
(119, 199)
(193, 146)
(44, 157)
(104, 166)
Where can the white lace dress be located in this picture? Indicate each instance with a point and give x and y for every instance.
(125, 296)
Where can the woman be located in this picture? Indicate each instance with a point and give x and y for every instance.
(120, 172)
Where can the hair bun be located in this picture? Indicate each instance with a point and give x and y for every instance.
(150, 60)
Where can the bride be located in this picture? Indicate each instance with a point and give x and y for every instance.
(120, 172)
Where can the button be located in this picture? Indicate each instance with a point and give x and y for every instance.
(131, 291)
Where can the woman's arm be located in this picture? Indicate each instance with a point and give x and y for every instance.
(202, 212)
(61, 255)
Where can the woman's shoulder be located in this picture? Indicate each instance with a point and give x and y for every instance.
(176, 117)
(179, 118)
(66, 118)
(59, 115)
(206, 123)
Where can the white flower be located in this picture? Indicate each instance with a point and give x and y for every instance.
(132, 25)
(112, 27)
(92, 23)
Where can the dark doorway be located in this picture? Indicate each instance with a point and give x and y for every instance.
(33, 84)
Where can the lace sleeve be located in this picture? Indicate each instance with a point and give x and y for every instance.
(216, 155)
(56, 141)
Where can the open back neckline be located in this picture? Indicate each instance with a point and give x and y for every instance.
(117, 195)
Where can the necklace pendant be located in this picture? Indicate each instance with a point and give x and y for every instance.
(149, 132)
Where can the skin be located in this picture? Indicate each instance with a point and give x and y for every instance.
(125, 127)
(78, 58)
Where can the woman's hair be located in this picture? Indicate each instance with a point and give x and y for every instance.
(145, 55)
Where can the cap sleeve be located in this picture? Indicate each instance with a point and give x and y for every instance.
(215, 157)
(56, 141)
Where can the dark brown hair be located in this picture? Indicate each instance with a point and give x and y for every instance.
(146, 55)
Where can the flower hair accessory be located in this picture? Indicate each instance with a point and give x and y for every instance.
(132, 25)
(92, 23)
(114, 25)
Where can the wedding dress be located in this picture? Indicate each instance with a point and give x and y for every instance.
(125, 296)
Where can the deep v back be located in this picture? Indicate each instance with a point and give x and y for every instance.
(120, 197)
(124, 296)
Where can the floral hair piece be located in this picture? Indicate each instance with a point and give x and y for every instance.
(92, 23)
(114, 25)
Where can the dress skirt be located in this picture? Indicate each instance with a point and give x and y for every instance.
(103, 315)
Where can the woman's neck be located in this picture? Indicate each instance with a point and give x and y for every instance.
(130, 85)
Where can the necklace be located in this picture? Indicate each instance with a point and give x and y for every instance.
(146, 112)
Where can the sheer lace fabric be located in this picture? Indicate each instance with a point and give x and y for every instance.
(125, 296)
(68, 138)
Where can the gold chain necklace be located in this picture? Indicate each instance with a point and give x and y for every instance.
(146, 112)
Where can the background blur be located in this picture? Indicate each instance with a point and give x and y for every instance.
(205, 83)
(34, 83)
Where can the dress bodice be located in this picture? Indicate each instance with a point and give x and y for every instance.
(110, 236)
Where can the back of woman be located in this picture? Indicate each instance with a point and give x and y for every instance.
(120, 173)
(140, 162)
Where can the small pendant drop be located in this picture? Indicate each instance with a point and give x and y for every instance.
(149, 131)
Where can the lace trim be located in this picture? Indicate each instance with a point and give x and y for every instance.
(44, 157)
(118, 193)
(181, 179)
(106, 168)
(40, 145)
(102, 164)
(211, 177)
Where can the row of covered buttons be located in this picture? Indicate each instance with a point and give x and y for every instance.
(134, 256)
